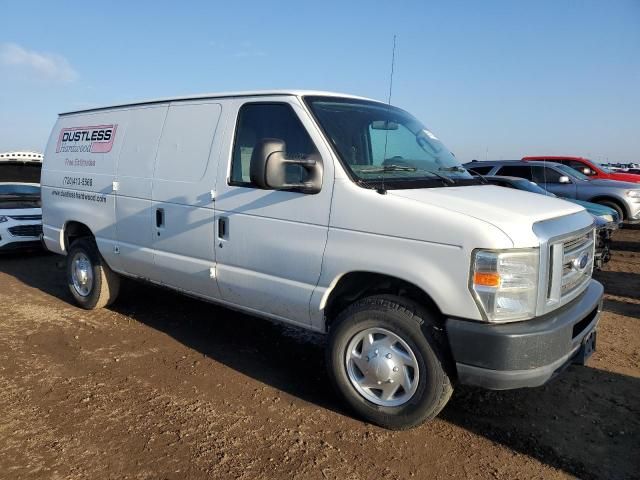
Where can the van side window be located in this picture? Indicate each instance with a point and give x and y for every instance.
(269, 120)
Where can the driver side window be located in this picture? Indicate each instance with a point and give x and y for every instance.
(257, 121)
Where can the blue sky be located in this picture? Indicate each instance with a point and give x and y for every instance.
(496, 79)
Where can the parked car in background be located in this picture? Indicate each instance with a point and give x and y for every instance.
(564, 181)
(588, 167)
(20, 213)
(607, 219)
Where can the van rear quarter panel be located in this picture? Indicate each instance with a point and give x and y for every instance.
(78, 172)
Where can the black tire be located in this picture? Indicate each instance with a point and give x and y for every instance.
(615, 206)
(105, 283)
(415, 326)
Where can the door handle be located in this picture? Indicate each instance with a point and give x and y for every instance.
(159, 217)
(223, 227)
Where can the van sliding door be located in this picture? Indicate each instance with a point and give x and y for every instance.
(183, 208)
(133, 196)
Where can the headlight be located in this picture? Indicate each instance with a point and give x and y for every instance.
(633, 193)
(607, 218)
(505, 283)
(3, 219)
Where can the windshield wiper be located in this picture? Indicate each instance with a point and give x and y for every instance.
(389, 168)
(480, 176)
(402, 168)
(445, 179)
(455, 168)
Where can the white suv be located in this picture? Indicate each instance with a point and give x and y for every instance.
(334, 213)
(20, 213)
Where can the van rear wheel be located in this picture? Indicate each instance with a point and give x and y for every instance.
(91, 282)
(385, 359)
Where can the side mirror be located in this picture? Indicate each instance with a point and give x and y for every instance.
(564, 179)
(271, 170)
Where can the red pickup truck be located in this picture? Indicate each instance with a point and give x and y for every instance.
(588, 167)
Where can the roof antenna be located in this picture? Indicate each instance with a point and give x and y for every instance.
(393, 62)
(382, 190)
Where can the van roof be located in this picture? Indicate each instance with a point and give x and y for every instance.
(203, 96)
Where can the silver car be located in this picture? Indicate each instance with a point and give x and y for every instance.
(624, 197)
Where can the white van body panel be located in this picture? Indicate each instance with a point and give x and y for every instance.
(385, 233)
(77, 182)
(507, 209)
(154, 196)
(184, 176)
(142, 127)
(224, 95)
(272, 256)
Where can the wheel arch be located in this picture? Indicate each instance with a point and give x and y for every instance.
(351, 286)
(73, 230)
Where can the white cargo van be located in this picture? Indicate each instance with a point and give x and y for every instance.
(337, 214)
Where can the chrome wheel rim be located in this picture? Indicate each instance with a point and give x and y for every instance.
(81, 274)
(382, 367)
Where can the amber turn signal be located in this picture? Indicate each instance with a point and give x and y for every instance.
(486, 279)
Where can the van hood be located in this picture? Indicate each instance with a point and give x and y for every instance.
(512, 211)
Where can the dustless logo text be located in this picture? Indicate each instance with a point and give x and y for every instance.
(95, 139)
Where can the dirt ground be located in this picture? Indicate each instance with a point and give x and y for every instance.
(160, 386)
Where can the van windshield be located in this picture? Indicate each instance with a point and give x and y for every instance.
(384, 145)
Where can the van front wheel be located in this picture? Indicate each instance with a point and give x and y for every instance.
(91, 282)
(386, 361)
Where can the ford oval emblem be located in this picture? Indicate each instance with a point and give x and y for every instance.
(581, 262)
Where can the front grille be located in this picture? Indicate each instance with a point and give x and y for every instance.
(574, 243)
(26, 217)
(577, 263)
(571, 266)
(26, 230)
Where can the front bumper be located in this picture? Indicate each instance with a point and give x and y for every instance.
(523, 354)
(15, 235)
